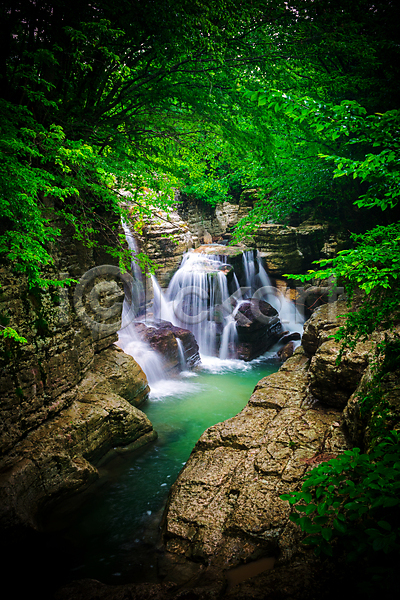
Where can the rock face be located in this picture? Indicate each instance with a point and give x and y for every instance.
(68, 395)
(292, 249)
(190, 223)
(333, 384)
(213, 223)
(233, 255)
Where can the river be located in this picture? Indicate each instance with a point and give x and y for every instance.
(113, 535)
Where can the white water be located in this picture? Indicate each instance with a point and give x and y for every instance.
(198, 298)
(128, 339)
(195, 296)
(181, 354)
(150, 361)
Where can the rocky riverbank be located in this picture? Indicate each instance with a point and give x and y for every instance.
(224, 512)
(68, 394)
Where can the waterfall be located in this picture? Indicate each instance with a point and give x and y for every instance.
(138, 291)
(290, 317)
(228, 338)
(196, 295)
(150, 361)
(249, 270)
(162, 309)
(181, 353)
(128, 339)
(198, 299)
(204, 296)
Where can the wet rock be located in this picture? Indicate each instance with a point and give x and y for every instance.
(332, 383)
(289, 337)
(190, 346)
(69, 394)
(258, 328)
(162, 336)
(115, 372)
(323, 324)
(56, 459)
(287, 351)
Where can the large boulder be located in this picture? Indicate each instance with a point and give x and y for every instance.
(225, 508)
(115, 372)
(162, 336)
(258, 328)
(57, 458)
(333, 382)
(189, 345)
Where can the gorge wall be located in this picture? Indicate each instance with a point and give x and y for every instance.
(191, 223)
(69, 395)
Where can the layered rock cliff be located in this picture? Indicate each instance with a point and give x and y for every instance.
(69, 394)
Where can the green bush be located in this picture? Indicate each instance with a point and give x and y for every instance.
(353, 498)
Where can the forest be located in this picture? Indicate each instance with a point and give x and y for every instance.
(299, 100)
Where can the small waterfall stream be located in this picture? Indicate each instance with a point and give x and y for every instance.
(204, 296)
(128, 339)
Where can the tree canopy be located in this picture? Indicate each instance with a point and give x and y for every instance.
(299, 100)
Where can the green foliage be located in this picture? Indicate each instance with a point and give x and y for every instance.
(97, 99)
(9, 332)
(354, 498)
(372, 266)
(102, 99)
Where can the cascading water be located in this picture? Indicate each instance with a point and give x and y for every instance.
(290, 317)
(128, 339)
(162, 309)
(196, 295)
(204, 296)
(200, 299)
(181, 353)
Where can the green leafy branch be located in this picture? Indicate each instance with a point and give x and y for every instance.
(352, 497)
(9, 332)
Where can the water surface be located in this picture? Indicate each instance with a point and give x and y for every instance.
(114, 535)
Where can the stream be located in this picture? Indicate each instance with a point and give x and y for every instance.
(113, 536)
